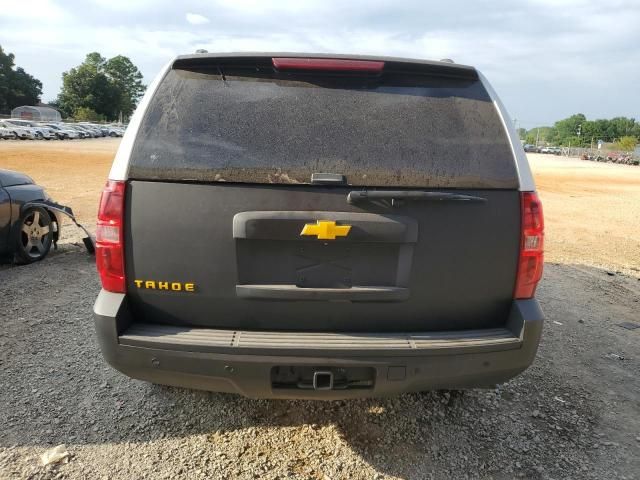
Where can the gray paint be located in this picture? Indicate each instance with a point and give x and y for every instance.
(461, 274)
(142, 354)
(9, 178)
(525, 176)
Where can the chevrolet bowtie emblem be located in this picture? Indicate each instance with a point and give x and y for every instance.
(326, 230)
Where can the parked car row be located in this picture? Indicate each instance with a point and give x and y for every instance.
(537, 149)
(552, 150)
(19, 129)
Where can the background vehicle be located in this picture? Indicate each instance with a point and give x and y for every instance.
(89, 132)
(26, 232)
(80, 131)
(39, 131)
(317, 226)
(21, 133)
(62, 132)
(113, 131)
(6, 134)
(96, 130)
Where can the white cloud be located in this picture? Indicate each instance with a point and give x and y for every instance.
(544, 60)
(30, 9)
(196, 19)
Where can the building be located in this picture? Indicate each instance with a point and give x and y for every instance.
(41, 113)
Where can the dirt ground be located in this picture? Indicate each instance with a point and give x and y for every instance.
(574, 414)
(73, 172)
(592, 212)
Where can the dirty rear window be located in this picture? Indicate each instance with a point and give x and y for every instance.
(392, 130)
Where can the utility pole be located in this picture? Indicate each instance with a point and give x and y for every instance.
(537, 136)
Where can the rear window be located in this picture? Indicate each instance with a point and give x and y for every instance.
(268, 127)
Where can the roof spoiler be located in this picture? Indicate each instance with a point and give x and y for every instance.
(265, 61)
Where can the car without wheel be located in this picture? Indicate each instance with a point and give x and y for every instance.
(319, 227)
(27, 228)
(30, 220)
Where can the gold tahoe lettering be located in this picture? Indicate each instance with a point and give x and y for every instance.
(162, 285)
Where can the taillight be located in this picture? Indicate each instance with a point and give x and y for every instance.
(327, 64)
(109, 238)
(531, 246)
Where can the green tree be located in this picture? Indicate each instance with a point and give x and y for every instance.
(567, 129)
(544, 134)
(107, 87)
(565, 132)
(84, 114)
(17, 87)
(126, 76)
(622, 126)
(626, 143)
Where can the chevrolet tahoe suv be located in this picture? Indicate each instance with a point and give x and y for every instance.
(319, 227)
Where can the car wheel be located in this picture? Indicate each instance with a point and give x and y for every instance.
(39, 136)
(34, 236)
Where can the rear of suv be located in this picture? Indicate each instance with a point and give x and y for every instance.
(321, 227)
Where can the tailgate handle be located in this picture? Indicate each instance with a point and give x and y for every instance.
(397, 197)
(293, 292)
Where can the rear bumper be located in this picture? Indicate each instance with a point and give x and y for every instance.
(242, 362)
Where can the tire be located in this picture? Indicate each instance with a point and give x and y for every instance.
(39, 136)
(34, 236)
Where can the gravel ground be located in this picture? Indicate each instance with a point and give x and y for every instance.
(574, 414)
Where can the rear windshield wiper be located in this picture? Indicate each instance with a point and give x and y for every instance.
(400, 196)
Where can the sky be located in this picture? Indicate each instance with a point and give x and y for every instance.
(547, 59)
